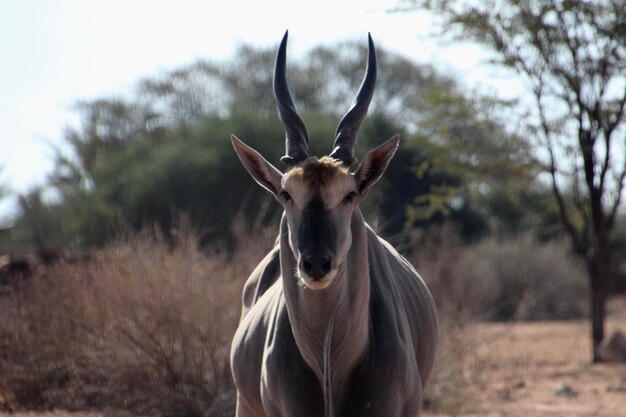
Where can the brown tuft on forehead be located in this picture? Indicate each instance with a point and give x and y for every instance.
(319, 172)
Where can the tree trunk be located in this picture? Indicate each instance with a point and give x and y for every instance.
(598, 274)
(598, 300)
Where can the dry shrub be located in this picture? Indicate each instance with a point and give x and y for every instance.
(516, 279)
(436, 257)
(524, 279)
(143, 327)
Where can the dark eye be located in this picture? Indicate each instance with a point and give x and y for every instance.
(284, 195)
(349, 198)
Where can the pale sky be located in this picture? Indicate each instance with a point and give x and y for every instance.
(55, 52)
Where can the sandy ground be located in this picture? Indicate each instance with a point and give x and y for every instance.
(515, 370)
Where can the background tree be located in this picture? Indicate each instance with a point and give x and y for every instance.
(162, 151)
(572, 55)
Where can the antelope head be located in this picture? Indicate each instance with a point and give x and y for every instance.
(319, 195)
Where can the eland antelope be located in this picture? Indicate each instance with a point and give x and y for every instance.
(334, 321)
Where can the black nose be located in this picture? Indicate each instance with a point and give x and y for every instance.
(316, 265)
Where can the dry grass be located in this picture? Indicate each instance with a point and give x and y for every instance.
(512, 371)
(143, 327)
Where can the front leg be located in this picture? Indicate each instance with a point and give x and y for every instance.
(244, 410)
(387, 383)
(388, 400)
(289, 388)
(291, 392)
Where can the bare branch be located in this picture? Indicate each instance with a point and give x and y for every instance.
(568, 224)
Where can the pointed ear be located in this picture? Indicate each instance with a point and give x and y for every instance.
(374, 165)
(262, 171)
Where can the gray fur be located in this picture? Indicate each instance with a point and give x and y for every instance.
(364, 346)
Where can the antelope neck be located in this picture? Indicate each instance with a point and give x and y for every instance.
(347, 297)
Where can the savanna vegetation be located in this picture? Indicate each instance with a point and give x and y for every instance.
(137, 246)
(163, 150)
(571, 55)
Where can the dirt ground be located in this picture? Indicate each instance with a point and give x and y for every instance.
(540, 370)
(516, 370)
